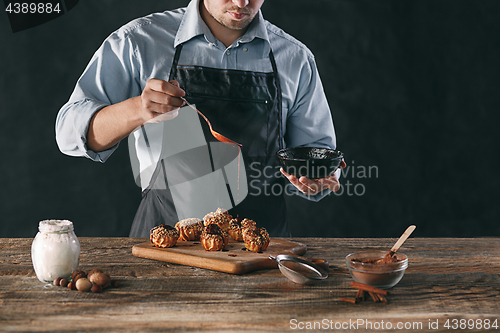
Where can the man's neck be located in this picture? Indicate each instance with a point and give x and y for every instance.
(225, 35)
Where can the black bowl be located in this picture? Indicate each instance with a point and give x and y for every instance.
(313, 163)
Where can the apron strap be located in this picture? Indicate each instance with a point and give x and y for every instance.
(175, 62)
(280, 98)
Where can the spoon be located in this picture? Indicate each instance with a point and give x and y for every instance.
(388, 257)
(216, 135)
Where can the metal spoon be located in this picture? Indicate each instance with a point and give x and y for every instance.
(216, 135)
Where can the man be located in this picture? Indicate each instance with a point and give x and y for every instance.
(257, 85)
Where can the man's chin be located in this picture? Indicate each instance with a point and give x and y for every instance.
(231, 23)
(237, 26)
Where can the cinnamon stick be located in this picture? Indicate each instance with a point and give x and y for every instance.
(368, 288)
(360, 295)
(348, 300)
(374, 296)
(382, 299)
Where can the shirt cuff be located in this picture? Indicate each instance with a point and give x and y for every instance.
(86, 111)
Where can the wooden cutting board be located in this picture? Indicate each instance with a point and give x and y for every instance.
(235, 259)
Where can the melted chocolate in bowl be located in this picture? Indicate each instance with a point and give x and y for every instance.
(365, 270)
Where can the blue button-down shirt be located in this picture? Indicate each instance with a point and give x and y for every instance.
(144, 49)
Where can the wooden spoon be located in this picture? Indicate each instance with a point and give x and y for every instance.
(388, 258)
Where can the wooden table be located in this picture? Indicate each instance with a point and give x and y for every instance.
(448, 280)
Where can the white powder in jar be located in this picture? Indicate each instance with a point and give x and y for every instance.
(55, 251)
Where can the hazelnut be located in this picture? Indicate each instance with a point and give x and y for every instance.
(63, 282)
(99, 278)
(72, 285)
(115, 283)
(57, 281)
(75, 272)
(96, 288)
(83, 284)
(79, 276)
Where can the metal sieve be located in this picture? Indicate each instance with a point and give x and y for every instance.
(299, 270)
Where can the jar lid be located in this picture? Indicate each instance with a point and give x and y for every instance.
(55, 225)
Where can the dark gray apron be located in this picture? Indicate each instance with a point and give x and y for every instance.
(245, 107)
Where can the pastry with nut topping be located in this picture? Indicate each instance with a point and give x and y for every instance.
(214, 238)
(238, 227)
(189, 229)
(256, 240)
(220, 217)
(164, 236)
(246, 225)
(235, 229)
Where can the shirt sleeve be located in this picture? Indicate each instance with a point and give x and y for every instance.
(110, 77)
(309, 122)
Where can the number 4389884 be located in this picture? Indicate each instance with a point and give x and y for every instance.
(478, 324)
(32, 8)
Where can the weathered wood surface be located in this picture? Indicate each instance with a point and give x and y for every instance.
(446, 279)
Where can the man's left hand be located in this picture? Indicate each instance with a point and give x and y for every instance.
(315, 186)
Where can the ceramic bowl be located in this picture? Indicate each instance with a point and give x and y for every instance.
(313, 163)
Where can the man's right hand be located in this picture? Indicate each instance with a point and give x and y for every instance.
(115, 122)
(160, 97)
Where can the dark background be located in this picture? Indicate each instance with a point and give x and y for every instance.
(413, 88)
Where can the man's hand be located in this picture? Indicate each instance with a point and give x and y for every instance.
(160, 97)
(115, 122)
(314, 186)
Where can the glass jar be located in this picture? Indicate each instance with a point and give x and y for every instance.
(55, 251)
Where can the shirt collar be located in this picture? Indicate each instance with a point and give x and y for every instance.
(192, 25)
